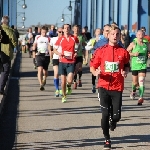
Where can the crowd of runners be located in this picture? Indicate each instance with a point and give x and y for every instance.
(112, 55)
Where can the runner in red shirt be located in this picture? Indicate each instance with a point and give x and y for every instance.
(69, 46)
(113, 61)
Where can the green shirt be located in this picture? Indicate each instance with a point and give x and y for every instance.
(10, 41)
(81, 41)
(144, 40)
(139, 62)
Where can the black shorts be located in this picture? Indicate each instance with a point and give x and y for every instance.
(43, 61)
(29, 45)
(66, 68)
(136, 72)
(55, 62)
(79, 59)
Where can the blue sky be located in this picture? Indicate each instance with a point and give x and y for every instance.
(45, 12)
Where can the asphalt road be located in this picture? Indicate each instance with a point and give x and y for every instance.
(36, 120)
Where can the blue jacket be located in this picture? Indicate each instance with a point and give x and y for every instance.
(103, 42)
(100, 43)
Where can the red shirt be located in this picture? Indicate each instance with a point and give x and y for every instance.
(67, 47)
(147, 37)
(110, 59)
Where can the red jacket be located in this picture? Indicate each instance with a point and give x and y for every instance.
(111, 60)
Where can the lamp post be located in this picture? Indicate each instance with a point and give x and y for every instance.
(70, 7)
(23, 17)
(24, 6)
(58, 19)
(23, 26)
(63, 17)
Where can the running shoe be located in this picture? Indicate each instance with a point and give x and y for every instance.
(140, 101)
(64, 99)
(132, 95)
(60, 92)
(35, 67)
(79, 83)
(107, 145)
(93, 89)
(42, 88)
(69, 91)
(57, 93)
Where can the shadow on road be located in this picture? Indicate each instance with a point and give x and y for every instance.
(8, 120)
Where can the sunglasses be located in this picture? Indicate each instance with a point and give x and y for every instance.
(60, 31)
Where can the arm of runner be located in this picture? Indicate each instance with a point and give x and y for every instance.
(125, 71)
(89, 45)
(51, 48)
(130, 48)
(95, 63)
(35, 44)
(55, 47)
(55, 50)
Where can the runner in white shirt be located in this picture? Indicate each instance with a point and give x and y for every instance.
(29, 38)
(23, 45)
(42, 43)
(56, 62)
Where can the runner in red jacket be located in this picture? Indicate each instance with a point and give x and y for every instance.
(113, 62)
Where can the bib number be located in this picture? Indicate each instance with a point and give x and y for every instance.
(140, 59)
(68, 55)
(111, 66)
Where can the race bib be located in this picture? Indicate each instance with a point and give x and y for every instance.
(140, 59)
(68, 55)
(111, 66)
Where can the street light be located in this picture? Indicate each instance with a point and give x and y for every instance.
(24, 6)
(57, 21)
(23, 26)
(23, 17)
(70, 7)
(63, 17)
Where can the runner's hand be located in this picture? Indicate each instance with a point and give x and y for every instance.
(75, 55)
(97, 72)
(124, 73)
(136, 54)
(60, 55)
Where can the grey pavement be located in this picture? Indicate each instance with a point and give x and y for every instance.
(36, 120)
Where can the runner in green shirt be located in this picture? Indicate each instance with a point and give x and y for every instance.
(139, 51)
